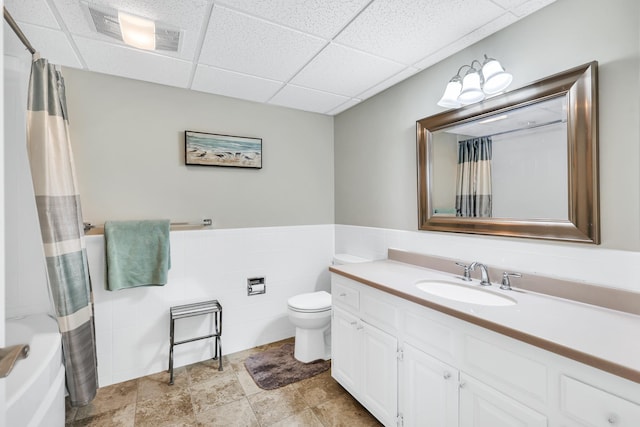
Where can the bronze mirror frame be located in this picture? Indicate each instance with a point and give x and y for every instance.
(580, 86)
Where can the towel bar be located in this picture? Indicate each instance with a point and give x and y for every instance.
(207, 222)
(190, 310)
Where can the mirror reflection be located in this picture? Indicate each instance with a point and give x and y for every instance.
(511, 164)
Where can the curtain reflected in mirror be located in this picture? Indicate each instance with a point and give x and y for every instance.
(473, 180)
(509, 166)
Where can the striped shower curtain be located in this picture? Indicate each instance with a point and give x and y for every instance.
(473, 182)
(58, 204)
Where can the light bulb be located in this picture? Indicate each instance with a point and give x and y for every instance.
(137, 32)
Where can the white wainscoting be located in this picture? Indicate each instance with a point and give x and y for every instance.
(132, 325)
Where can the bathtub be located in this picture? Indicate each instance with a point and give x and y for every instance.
(35, 387)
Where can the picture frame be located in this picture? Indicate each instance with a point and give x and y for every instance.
(213, 149)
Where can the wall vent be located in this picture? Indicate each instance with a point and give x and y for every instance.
(105, 21)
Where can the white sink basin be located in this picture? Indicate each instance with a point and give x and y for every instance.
(463, 293)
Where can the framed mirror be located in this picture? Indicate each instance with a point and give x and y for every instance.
(520, 164)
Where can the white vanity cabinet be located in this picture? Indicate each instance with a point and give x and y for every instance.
(364, 362)
(428, 390)
(483, 406)
(591, 406)
(411, 365)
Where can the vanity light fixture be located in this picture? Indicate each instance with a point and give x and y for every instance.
(479, 80)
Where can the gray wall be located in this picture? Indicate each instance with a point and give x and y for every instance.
(375, 160)
(128, 141)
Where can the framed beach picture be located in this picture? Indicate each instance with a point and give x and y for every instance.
(212, 149)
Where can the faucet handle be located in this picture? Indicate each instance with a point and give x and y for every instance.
(467, 271)
(506, 284)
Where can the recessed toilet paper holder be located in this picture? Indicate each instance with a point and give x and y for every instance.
(256, 286)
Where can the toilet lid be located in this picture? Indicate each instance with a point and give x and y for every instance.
(316, 301)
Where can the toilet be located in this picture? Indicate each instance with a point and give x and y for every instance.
(310, 313)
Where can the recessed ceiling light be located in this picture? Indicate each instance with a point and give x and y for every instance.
(110, 22)
(137, 32)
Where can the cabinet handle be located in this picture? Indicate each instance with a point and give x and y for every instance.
(447, 375)
(612, 419)
(360, 327)
(343, 294)
(462, 385)
(353, 323)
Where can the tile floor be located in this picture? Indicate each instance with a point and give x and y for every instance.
(203, 396)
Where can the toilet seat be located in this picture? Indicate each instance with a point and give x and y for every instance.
(313, 302)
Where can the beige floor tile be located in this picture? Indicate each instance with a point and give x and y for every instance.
(344, 411)
(271, 406)
(305, 418)
(234, 414)
(204, 396)
(120, 417)
(157, 385)
(109, 398)
(219, 390)
(248, 384)
(236, 360)
(319, 389)
(174, 409)
(277, 344)
(207, 370)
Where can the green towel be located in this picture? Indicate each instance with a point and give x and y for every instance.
(137, 253)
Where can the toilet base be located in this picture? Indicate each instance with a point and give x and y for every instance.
(310, 345)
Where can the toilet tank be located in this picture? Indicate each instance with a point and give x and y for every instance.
(341, 259)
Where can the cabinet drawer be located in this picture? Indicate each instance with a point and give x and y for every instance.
(345, 295)
(378, 311)
(430, 336)
(596, 407)
(506, 369)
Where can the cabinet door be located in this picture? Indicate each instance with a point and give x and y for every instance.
(345, 349)
(379, 387)
(429, 390)
(482, 406)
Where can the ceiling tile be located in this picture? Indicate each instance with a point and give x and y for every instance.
(35, 12)
(248, 45)
(323, 18)
(307, 99)
(333, 52)
(52, 44)
(132, 63)
(229, 83)
(186, 15)
(345, 71)
(466, 41)
(406, 31)
(404, 74)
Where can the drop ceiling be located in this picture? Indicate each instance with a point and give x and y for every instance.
(323, 56)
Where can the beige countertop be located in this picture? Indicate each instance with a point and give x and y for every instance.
(600, 337)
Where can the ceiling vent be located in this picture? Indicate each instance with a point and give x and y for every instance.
(105, 21)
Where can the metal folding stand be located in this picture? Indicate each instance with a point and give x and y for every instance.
(197, 309)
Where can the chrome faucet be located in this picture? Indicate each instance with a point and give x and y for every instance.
(484, 273)
(506, 284)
